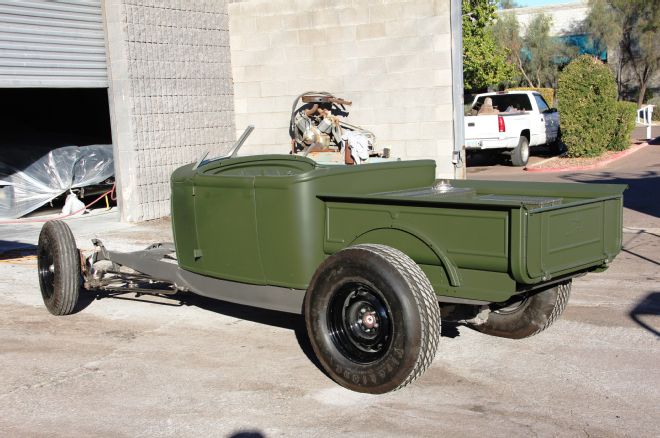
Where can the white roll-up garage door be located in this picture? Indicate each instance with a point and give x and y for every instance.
(52, 44)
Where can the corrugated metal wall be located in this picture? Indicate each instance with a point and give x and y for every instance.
(52, 44)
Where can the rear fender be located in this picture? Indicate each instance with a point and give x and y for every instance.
(416, 246)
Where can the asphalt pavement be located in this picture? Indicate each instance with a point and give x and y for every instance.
(153, 367)
(640, 171)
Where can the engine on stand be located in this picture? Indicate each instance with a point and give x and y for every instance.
(317, 130)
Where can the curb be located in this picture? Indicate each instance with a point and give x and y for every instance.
(614, 157)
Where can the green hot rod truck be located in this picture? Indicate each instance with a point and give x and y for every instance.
(371, 255)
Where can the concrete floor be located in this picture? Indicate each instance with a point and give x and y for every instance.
(149, 367)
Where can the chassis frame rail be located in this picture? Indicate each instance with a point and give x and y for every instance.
(158, 264)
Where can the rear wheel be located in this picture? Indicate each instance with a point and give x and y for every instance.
(527, 316)
(520, 155)
(58, 263)
(372, 318)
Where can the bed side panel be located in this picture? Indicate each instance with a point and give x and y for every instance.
(471, 238)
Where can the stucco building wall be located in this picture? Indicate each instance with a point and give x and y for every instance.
(566, 18)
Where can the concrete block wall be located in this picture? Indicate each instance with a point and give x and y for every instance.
(171, 94)
(392, 58)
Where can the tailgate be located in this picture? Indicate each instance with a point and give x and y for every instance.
(480, 127)
(566, 238)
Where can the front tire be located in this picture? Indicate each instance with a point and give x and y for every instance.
(58, 263)
(528, 316)
(372, 318)
(520, 155)
(558, 147)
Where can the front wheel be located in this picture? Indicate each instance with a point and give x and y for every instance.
(372, 318)
(557, 146)
(527, 316)
(58, 264)
(520, 155)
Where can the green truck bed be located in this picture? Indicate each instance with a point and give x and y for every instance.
(271, 220)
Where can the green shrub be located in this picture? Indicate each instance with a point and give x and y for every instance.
(586, 96)
(547, 93)
(626, 113)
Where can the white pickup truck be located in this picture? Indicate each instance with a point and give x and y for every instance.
(511, 122)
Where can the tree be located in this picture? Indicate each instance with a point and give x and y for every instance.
(536, 55)
(632, 26)
(508, 4)
(484, 61)
(545, 53)
(507, 32)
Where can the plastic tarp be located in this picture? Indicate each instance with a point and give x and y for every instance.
(32, 176)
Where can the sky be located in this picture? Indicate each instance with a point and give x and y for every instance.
(543, 2)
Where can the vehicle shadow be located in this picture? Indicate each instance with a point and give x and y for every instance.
(289, 321)
(481, 159)
(649, 306)
(248, 434)
(475, 158)
(15, 250)
(642, 190)
(449, 329)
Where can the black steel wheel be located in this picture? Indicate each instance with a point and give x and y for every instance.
(58, 264)
(527, 316)
(359, 322)
(372, 318)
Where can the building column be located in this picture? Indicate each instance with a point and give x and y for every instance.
(170, 93)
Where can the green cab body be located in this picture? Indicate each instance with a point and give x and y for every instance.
(272, 220)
